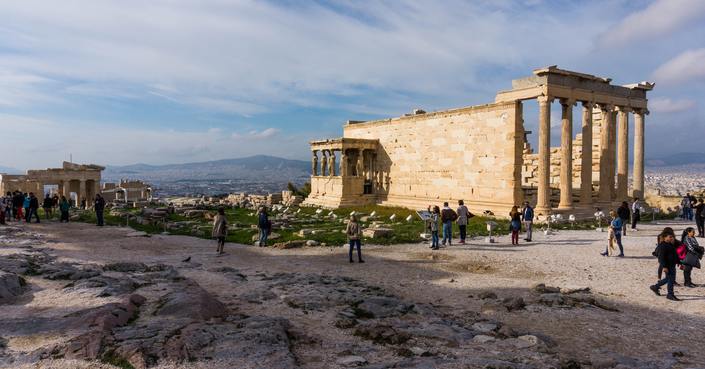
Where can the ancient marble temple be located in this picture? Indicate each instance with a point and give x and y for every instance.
(480, 153)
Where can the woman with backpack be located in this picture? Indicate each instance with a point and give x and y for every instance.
(220, 230)
(693, 254)
(515, 225)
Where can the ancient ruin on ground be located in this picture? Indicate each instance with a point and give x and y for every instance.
(83, 180)
(481, 153)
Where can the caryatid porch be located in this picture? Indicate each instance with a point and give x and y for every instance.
(343, 172)
(612, 105)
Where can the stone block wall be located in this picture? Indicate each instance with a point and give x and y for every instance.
(469, 153)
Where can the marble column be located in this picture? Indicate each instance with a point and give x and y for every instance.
(638, 170)
(605, 193)
(314, 163)
(60, 190)
(586, 162)
(66, 190)
(623, 154)
(81, 195)
(543, 202)
(566, 201)
(613, 155)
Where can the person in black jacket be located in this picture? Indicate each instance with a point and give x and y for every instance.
(33, 207)
(99, 207)
(624, 214)
(667, 259)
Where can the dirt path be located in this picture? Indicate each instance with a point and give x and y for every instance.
(454, 279)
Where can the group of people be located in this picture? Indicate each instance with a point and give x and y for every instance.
(672, 253)
(694, 210)
(220, 228)
(447, 216)
(25, 207)
(618, 224)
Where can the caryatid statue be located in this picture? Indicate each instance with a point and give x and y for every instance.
(314, 163)
(324, 162)
(343, 171)
(331, 164)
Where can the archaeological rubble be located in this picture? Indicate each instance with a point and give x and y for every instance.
(481, 154)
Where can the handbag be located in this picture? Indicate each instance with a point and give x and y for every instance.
(682, 251)
(692, 260)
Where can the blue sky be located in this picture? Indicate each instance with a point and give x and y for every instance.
(168, 81)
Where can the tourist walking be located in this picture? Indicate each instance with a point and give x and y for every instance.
(264, 225)
(64, 207)
(527, 216)
(515, 224)
(9, 210)
(687, 209)
(33, 208)
(463, 216)
(694, 253)
(615, 234)
(17, 203)
(220, 230)
(624, 214)
(636, 213)
(354, 233)
(47, 205)
(99, 208)
(448, 216)
(25, 205)
(3, 206)
(667, 259)
(700, 217)
(433, 226)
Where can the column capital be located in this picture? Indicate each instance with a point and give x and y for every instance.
(568, 102)
(544, 99)
(625, 109)
(640, 111)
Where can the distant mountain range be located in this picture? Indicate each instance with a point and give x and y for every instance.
(258, 168)
(682, 158)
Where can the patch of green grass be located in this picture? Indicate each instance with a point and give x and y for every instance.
(115, 360)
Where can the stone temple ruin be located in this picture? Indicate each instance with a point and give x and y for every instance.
(481, 153)
(81, 180)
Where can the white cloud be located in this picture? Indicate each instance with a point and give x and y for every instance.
(257, 135)
(666, 105)
(658, 19)
(687, 66)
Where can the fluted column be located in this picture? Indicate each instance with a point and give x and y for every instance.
(586, 162)
(543, 198)
(81, 193)
(638, 184)
(605, 193)
(623, 154)
(66, 190)
(613, 154)
(566, 201)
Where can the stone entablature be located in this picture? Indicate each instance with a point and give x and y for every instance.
(480, 154)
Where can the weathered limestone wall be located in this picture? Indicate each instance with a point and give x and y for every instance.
(469, 153)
